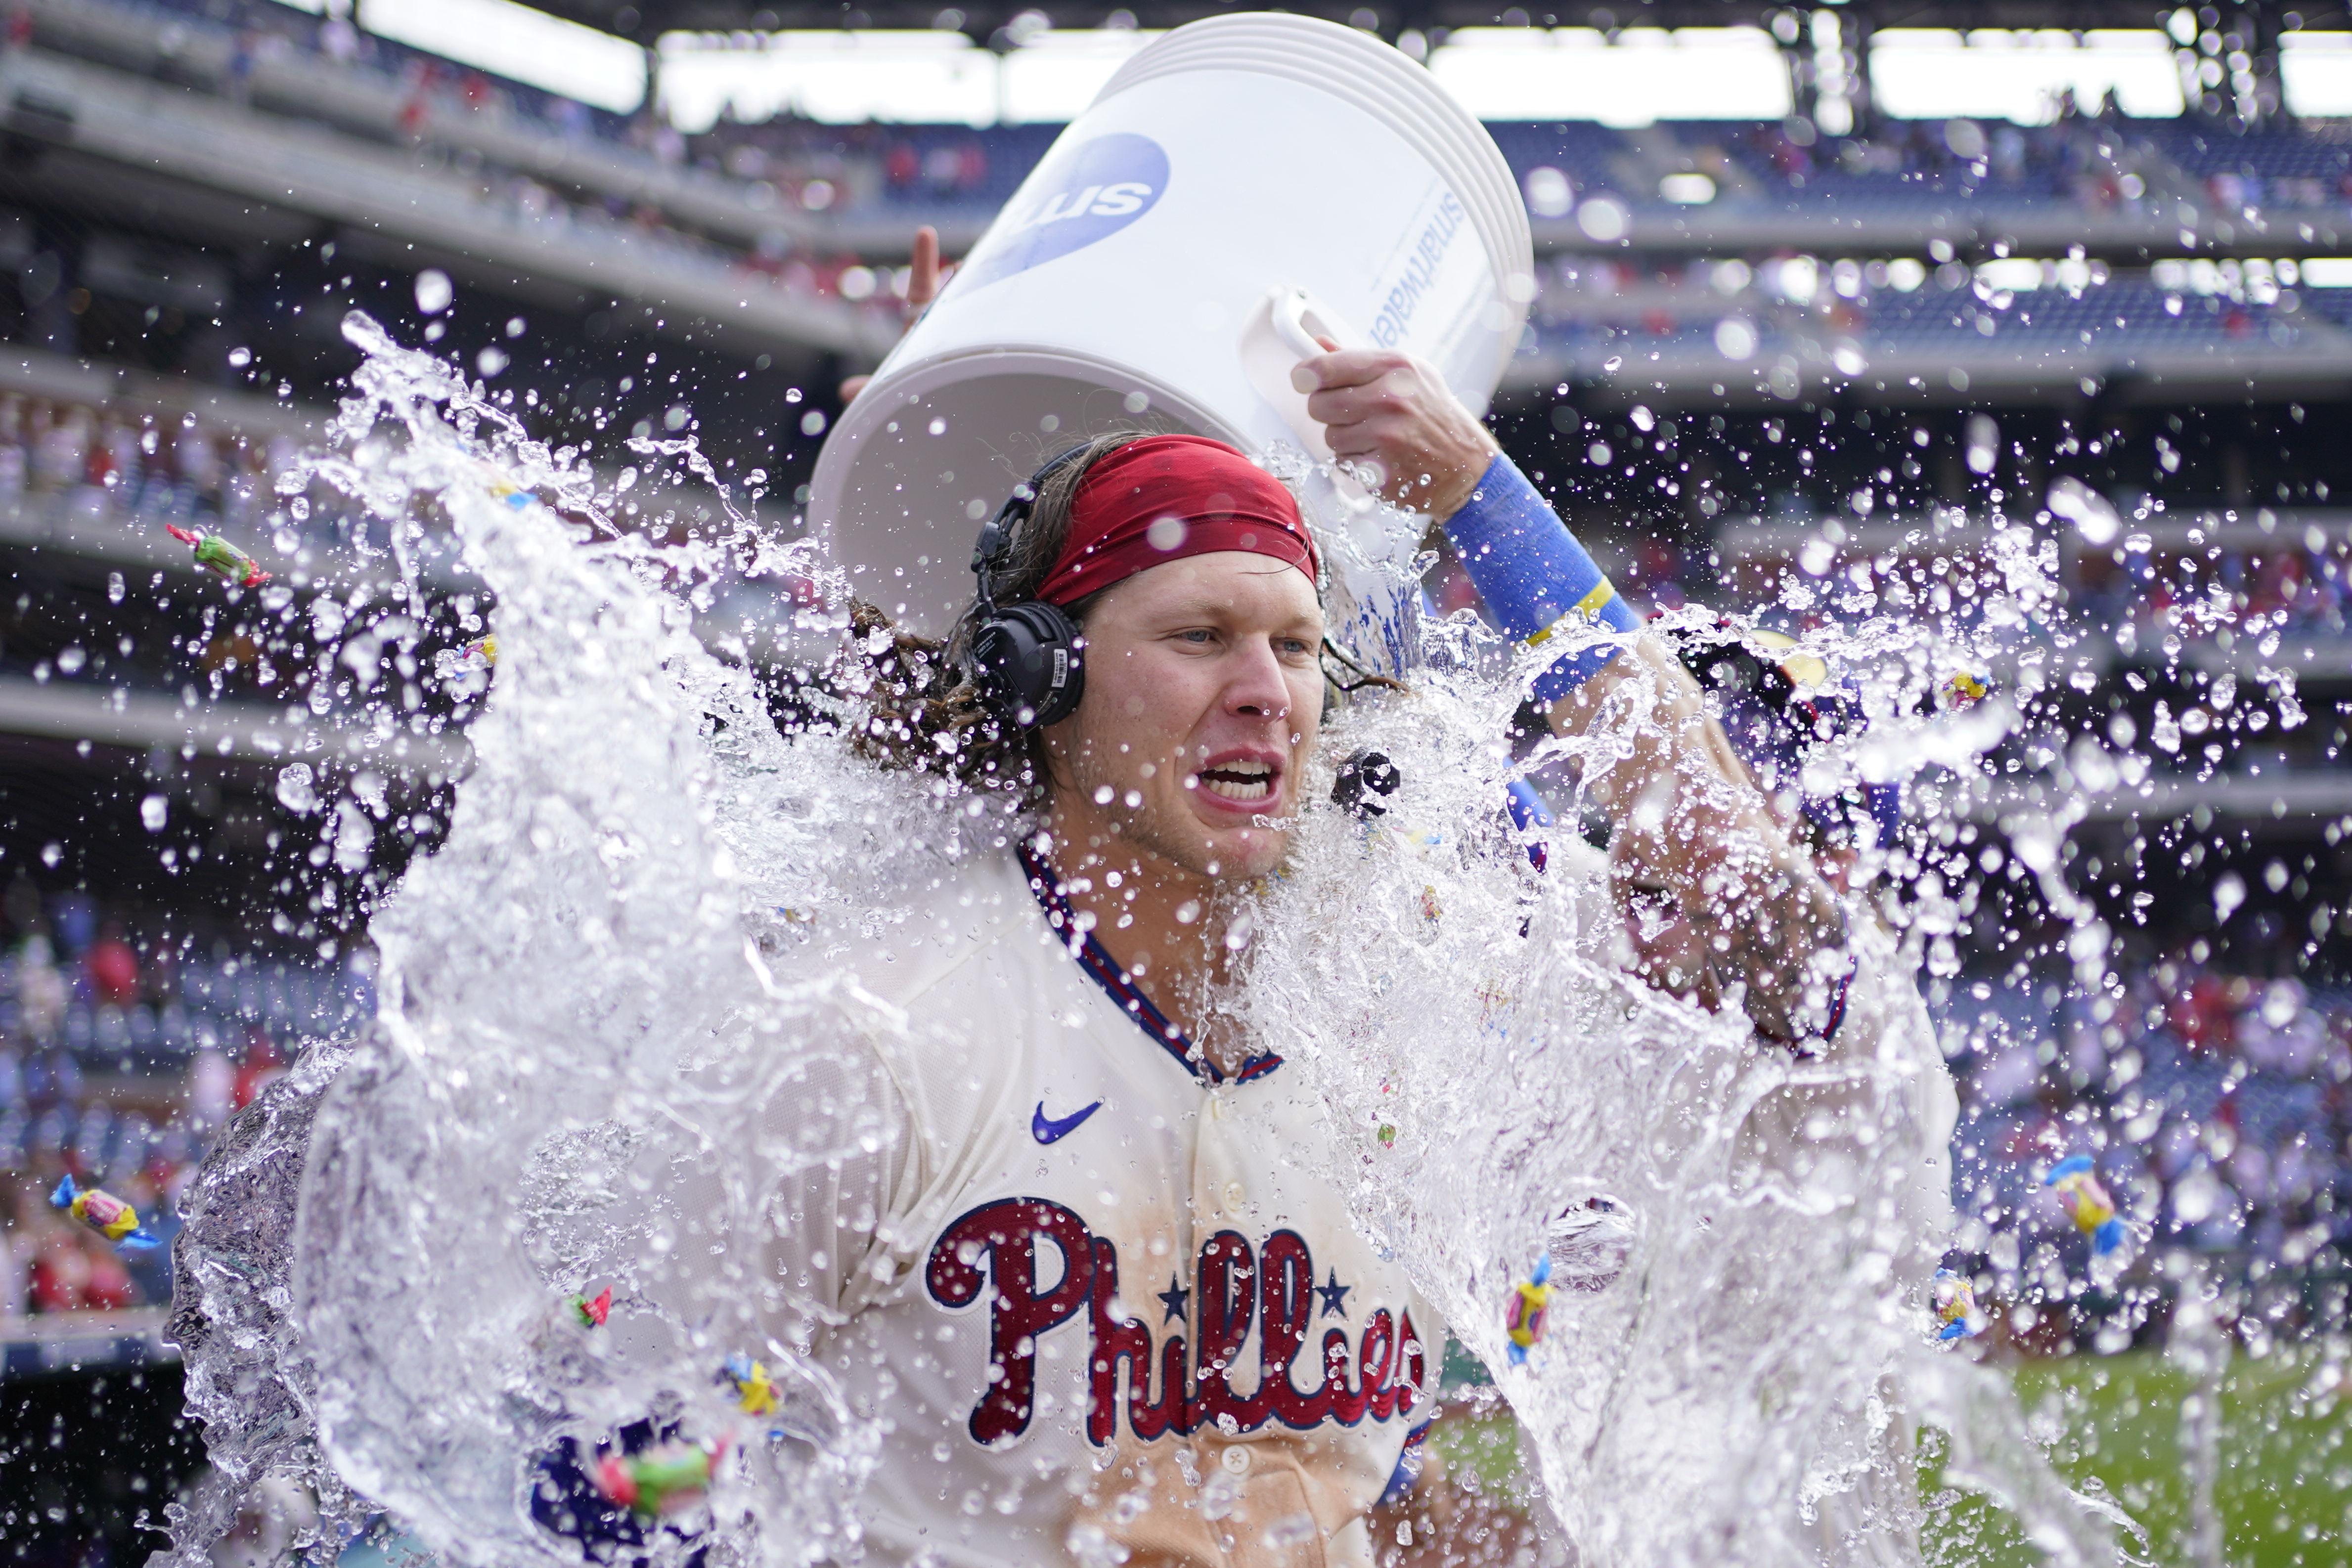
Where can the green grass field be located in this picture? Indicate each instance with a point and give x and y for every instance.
(2283, 1490)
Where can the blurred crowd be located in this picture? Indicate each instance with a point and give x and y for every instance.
(2292, 584)
(2218, 1106)
(2053, 158)
(120, 1055)
(2094, 159)
(104, 461)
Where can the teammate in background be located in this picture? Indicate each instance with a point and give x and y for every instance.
(1724, 874)
(1690, 822)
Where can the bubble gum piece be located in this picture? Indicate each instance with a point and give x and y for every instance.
(755, 1391)
(593, 1312)
(659, 1481)
(1955, 1300)
(215, 554)
(479, 657)
(106, 1214)
(1963, 689)
(1529, 1312)
(2076, 1183)
(503, 489)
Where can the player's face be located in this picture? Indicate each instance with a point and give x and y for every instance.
(1669, 950)
(1203, 693)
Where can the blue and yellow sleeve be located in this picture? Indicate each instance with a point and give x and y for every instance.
(1536, 580)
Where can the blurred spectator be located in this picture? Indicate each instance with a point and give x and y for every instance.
(113, 967)
(338, 39)
(60, 1271)
(20, 1215)
(107, 1285)
(73, 917)
(262, 1067)
(41, 989)
(241, 56)
(2203, 1013)
(211, 1090)
(2236, 1093)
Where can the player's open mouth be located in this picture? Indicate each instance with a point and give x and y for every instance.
(1242, 779)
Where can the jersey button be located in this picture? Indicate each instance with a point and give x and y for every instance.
(1235, 1198)
(1236, 1461)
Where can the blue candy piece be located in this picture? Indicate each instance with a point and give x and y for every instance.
(1529, 811)
(2108, 1237)
(2073, 1165)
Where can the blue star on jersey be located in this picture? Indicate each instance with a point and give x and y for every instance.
(1173, 1298)
(1334, 1296)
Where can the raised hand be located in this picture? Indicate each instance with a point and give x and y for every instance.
(924, 276)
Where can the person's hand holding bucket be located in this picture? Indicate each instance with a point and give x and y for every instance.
(1393, 418)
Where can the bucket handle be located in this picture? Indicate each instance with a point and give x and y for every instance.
(1298, 320)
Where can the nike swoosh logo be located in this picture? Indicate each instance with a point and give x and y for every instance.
(1048, 1130)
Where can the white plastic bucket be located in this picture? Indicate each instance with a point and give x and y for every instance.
(1242, 182)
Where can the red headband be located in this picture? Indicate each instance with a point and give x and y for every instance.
(1167, 496)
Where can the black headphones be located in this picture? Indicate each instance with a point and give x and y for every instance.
(1027, 659)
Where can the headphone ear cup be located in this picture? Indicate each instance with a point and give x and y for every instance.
(1031, 663)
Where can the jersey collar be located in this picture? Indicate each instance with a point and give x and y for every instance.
(1097, 961)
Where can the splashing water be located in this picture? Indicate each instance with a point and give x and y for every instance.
(613, 1024)
(1742, 1385)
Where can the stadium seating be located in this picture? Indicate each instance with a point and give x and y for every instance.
(734, 183)
(2235, 1108)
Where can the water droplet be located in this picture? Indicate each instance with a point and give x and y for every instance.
(434, 292)
(295, 791)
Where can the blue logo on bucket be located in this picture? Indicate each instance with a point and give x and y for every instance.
(1077, 197)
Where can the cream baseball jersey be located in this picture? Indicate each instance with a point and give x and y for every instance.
(1102, 1302)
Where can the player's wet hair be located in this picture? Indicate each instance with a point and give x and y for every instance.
(921, 711)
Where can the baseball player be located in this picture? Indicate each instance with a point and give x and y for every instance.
(1087, 1278)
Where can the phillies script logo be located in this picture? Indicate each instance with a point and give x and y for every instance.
(1078, 196)
(1271, 1288)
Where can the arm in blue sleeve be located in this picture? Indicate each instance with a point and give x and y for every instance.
(1533, 574)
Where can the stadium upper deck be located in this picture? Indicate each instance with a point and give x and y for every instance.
(1921, 258)
(2102, 182)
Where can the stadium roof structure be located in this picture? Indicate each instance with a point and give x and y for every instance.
(988, 20)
